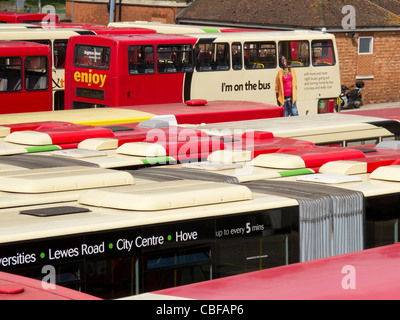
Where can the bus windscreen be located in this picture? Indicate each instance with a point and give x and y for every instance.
(92, 56)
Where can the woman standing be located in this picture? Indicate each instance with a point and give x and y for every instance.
(286, 89)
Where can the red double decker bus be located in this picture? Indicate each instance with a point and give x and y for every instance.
(115, 71)
(25, 77)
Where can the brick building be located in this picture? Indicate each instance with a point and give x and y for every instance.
(97, 11)
(367, 32)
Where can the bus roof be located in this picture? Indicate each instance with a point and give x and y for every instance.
(98, 29)
(375, 269)
(178, 28)
(17, 17)
(19, 26)
(22, 47)
(312, 127)
(246, 36)
(42, 34)
(140, 201)
(15, 287)
(128, 38)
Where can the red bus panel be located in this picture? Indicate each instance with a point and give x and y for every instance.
(136, 77)
(23, 17)
(25, 77)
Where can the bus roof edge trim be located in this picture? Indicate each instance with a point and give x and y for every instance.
(167, 195)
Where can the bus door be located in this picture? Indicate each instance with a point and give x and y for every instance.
(58, 83)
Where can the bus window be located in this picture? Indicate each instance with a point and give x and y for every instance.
(174, 58)
(237, 56)
(222, 57)
(260, 55)
(141, 59)
(322, 53)
(297, 53)
(212, 57)
(92, 56)
(60, 52)
(10, 74)
(36, 73)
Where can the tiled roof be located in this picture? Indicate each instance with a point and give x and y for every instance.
(293, 13)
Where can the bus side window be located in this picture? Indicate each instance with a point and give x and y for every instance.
(141, 59)
(323, 53)
(174, 58)
(237, 56)
(212, 57)
(60, 52)
(222, 57)
(10, 74)
(260, 55)
(36, 73)
(297, 53)
(203, 54)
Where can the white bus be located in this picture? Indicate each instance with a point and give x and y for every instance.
(171, 68)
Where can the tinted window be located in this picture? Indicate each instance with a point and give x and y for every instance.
(92, 56)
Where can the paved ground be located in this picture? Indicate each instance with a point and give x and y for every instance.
(378, 106)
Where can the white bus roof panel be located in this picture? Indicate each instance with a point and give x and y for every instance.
(62, 179)
(389, 173)
(168, 195)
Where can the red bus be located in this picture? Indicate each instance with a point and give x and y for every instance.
(364, 275)
(94, 73)
(15, 287)
(23, 17)
(25, 76)
(115, 71)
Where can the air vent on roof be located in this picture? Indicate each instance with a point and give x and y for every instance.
(389, 173)
(86, 33)
(393, 144)
(36, 161)
(120, 128)
(167, 195)
(365, 150)
(152, 124)
(54, 211)
(98, 144)
(344, 167)
(170, 174)
(62, 179)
